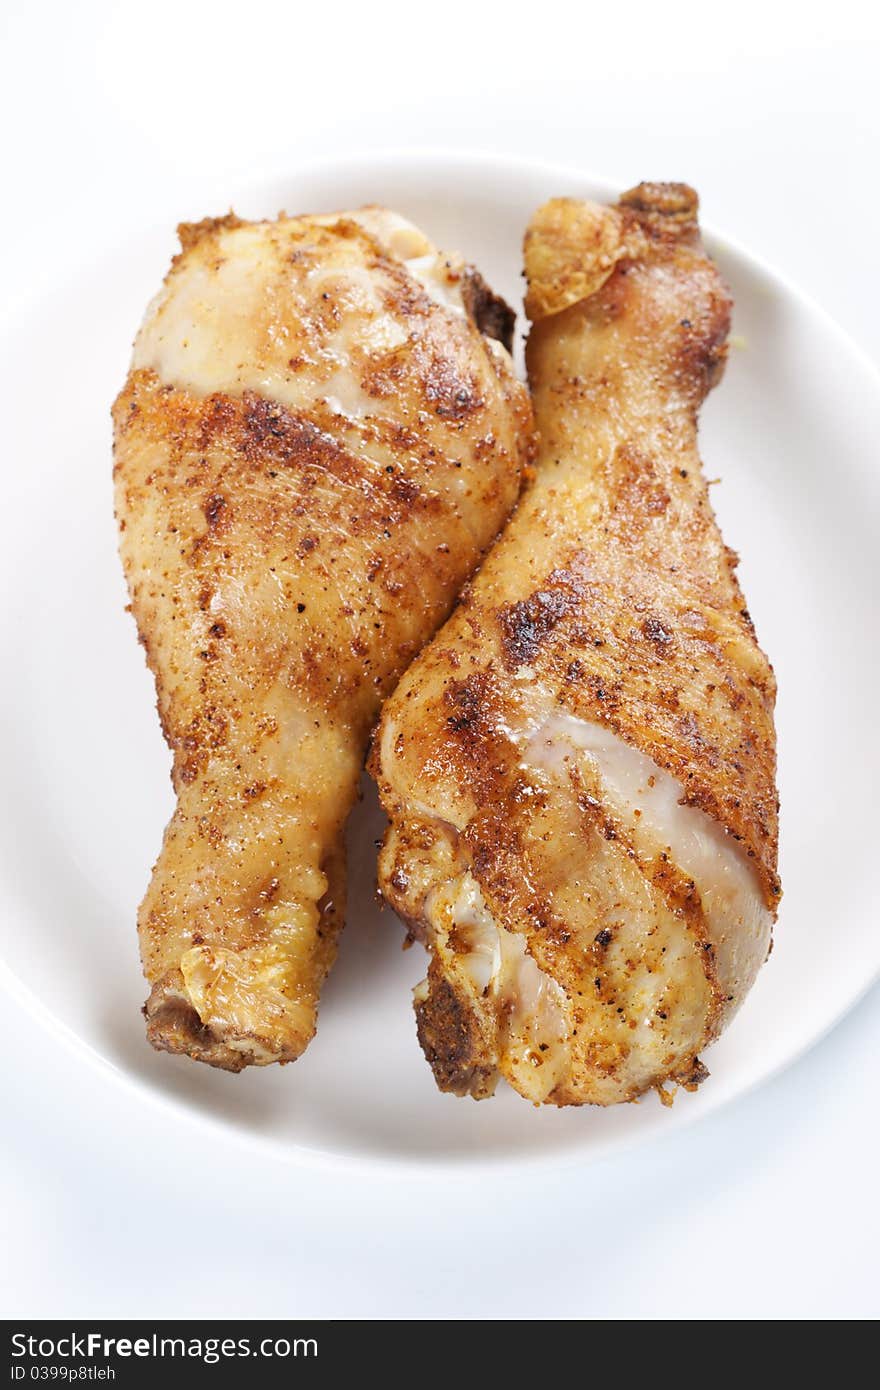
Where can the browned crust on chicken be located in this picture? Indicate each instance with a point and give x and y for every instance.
(250, 467)
(709, 727)
(454, 1043)
(610, 599)
(284, 565)
(492, 315)
(173, 1025)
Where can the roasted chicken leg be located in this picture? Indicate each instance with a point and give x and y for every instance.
(580, 768)
(319, 436)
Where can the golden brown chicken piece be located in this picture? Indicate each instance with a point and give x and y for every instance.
(579, 769)
(314, 445)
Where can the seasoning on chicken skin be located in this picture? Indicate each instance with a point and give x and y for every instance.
(313, 448)
(580, 767)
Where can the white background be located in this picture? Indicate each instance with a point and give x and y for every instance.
(114, 113)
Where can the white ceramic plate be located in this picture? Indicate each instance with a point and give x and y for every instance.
(791, 433)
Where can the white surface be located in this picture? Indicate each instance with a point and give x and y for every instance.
(138, 113)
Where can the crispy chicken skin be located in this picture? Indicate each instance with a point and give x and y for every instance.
(580, 767)
(315, 444)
